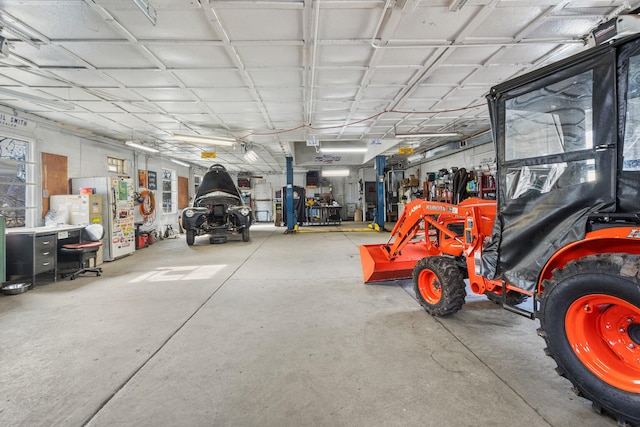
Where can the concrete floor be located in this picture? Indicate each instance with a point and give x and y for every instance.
(279, 331)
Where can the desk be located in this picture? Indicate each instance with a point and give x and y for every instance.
(32, 251)
(323, 215)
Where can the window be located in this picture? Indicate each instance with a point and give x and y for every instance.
(555, 119)
(197, 179)
(525, 181)
(552, 120)
(631, 150)
(116, 165)
(169, 191)
(16, 182)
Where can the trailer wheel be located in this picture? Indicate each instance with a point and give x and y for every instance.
(590, 319)
(439, 285)
(191, 237)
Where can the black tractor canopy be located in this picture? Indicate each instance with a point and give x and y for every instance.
(567, 149)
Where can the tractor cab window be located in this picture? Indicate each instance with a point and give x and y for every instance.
(552, 120)
(631, 150)
(524, 181)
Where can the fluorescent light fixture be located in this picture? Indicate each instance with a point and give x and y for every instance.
(456, 5)
(145, 7)
(415, 157)
(344, 150)
(335, 172)
(178, 162)
(36, 99)
(251, 156)
(21, 31)
(425, 134)
(203, 139)
(141, 147)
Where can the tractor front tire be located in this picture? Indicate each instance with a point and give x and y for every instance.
(439, 285)
(590, 320)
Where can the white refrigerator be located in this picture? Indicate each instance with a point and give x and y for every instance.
(117, 212)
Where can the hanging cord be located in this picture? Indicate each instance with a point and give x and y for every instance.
(460, 179)
(148, 206)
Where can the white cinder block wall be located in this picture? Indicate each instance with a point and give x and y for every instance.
(87, 156)
(470, 159)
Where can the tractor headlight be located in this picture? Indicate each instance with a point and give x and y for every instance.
(244, 210)
(188, 213)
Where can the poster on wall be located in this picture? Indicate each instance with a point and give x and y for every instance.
(142, 179)
(152, 180)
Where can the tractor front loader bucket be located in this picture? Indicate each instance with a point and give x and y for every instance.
(378, 267)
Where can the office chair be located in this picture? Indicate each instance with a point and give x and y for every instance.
(84, 252)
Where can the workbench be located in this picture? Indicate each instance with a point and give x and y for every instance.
(323, 215)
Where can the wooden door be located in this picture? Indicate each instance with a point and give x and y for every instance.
(183, 192)
(54, 178)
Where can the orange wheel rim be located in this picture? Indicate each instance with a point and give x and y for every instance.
(604, 333)
(429, 286)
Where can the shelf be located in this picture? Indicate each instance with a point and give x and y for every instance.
(440, 190)
(486, 187)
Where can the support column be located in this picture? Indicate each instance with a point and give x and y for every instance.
(380, 213)
(289, 196)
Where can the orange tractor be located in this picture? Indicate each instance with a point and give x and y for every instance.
(564, 230)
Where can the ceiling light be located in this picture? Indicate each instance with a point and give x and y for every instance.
(178, 162)
(425, 134)
(145, 7)
(203, 139)
(37, 99)
(251, 156)
(141, 147)
(21, 31)
(456, 5)
(415, 157)
(335, 172)
(344, 150)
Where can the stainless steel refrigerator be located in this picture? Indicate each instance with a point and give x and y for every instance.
(117, 212)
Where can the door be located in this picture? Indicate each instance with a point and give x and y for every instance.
(263, 202)
(54, 178)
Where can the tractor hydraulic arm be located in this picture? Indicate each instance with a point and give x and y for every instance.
(408, 224)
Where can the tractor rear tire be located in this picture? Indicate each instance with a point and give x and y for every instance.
(590, 320)
(439, 285)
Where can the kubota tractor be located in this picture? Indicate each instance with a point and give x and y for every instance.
(565, 228)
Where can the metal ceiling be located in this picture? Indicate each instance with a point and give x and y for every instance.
(275, 74)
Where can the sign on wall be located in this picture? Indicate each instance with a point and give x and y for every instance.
(152, 180)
